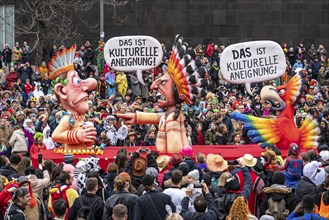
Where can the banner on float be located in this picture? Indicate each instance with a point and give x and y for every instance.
(252, 62)
(133, 53)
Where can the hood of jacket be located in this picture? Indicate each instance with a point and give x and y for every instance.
(277, 193)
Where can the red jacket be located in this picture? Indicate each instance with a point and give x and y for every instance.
(5, 196)
(252, 198)
(28, 88)
(209, 50)
(35, 148)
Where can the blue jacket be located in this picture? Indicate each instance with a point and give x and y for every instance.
(292, 216)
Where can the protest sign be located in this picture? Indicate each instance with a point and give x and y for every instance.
(252, 62)
(133, 53)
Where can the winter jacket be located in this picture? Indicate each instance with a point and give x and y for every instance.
(91, 200)
(208, 215)
(224, 203)
(210, 137)
(305, 187)
(6, 55)
(5, 134)
(39, 184)
(18, 141)
(277, 193)
(151, 206)
(35, 148)
(25, 73)
(9, 172)
(121, 197)
(16, 212)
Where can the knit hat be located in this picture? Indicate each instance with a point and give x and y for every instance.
(232, 184)
(148, 180)
(194, 174)
(266, 217)
(184, 168)
(308, 202)
(22, 180)
(14, 159)
(152, 172)
(323, 147)
(176, 159)
(68, 158)
(125, 176)
(278, 178)
(187, 151)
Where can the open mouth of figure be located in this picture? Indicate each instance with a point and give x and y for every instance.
(160, 97)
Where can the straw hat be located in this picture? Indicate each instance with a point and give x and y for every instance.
(248, 160)
(162, 162)
(6, 91)
(216, 163)
(270, 154)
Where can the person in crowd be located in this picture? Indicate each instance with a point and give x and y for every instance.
(10, 171)
(121, 195)
(240, 210)
(60, 209)
(122, 83)
(321, 200)
(18, 141)
(120, 212)
(175, 191)
(38, 145)
(21, 199)
(306, 206)
(151, 205)
(62, 190)
(293, 166)
(280, 193)
(205, 207)
(88, 200)
(7, 56)
(34, 210)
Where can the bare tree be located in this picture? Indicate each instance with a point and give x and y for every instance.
(115, 3)
(50, 21)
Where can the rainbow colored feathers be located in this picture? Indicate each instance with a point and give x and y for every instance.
(282, 131)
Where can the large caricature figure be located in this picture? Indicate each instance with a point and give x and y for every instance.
(71, 91)
(183, 81)
(282, 130)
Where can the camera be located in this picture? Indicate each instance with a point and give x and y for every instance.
(143, 150)
(197, 185)
(40, 158)
(233, 162)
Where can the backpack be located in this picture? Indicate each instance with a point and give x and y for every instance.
(277, 209)
(8, 216)
(86, 212)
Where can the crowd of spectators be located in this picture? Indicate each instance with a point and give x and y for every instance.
(153, 186)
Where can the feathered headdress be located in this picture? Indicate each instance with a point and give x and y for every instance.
(189, 76)
(62, 63)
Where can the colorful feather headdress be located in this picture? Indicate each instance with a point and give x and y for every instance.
(187, 72)
(62, 63)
